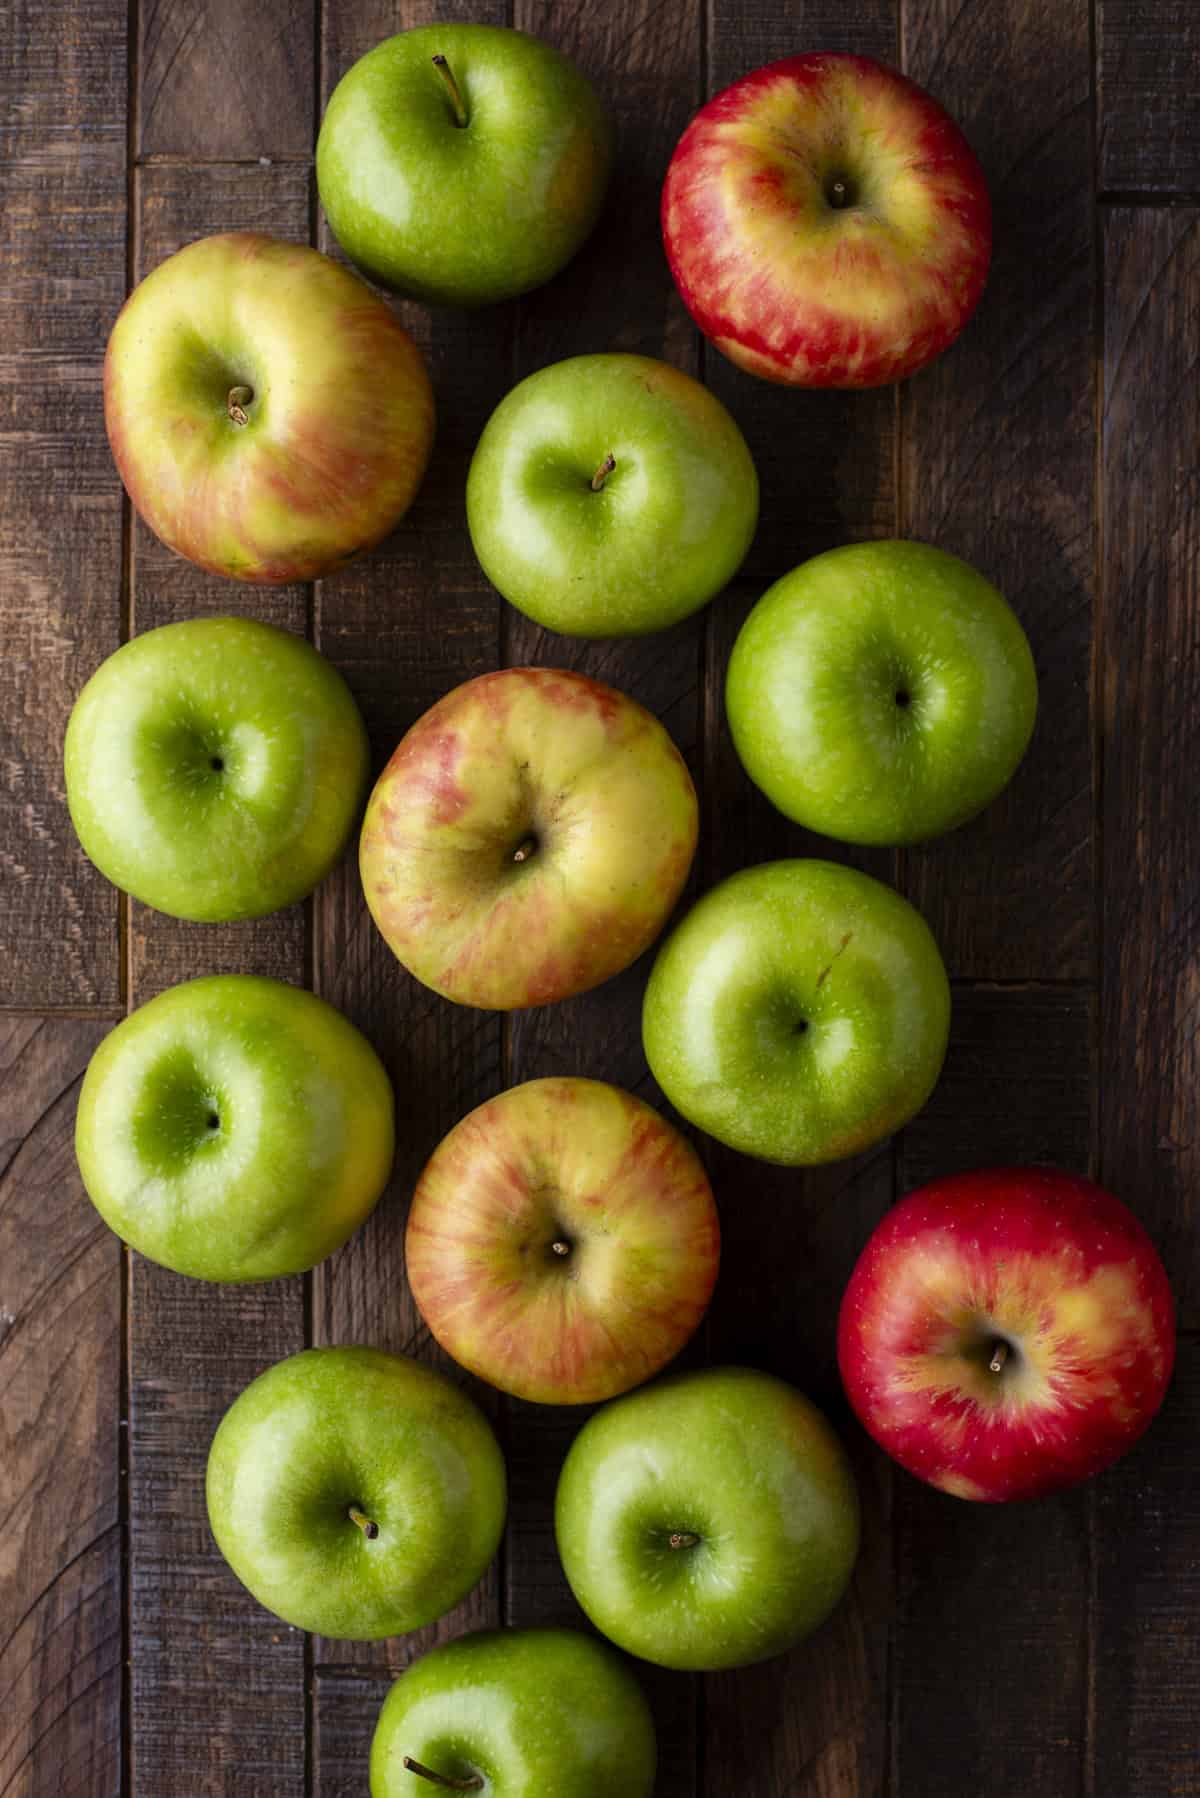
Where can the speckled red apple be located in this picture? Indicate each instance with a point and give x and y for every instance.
(528, 838)
(563, 1241)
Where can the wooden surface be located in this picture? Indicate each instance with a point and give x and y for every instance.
(1047, 1650)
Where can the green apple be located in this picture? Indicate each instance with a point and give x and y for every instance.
(354, 1493)
(528, 838)
(215, 768)
(462, 163)
(881, 693)
(611, 495)
(709, 1520)
(799, 1012)
(269, 417)
(519, 1713)
(235, 1128)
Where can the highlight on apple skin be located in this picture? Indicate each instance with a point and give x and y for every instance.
(528, 838)
(827, 223)
(1007, 1332)
(270, 418)
(563, 1242)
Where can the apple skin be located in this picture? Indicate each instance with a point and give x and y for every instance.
(1050, 1265)
(336, 433)
(881, 693)
(743, 1462)
(799, 1012)
(585, 1165)
(669, 524)
(300, 1151)
(797, 288)
(528, 838)
(529, 1711)
(334, 1428)
(215, 768)
(463, 216)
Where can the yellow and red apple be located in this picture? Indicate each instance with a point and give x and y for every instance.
(563, 1241)
(1007, 1333)
(528, 838)
(268, 415)
(827, 223)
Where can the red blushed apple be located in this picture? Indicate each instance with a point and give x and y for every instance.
(1007, 1333)
(827, 223)
(563, 1241)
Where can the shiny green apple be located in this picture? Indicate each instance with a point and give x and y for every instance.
(881, 693)
(709, 1520)
(235, 1128)
(611, 495)
(462, 163)
(519, 1713)
(356, 1494)
(799, 1012)
(215, 768)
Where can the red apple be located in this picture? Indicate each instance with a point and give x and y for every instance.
(827, 223)
(1007, 1333)
(528, 838)
(268, 416)
(563, 1241)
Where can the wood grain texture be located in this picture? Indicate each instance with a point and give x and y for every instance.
(814, 1726)
(175, 206)
(405, 625)
(218, 1702)
(1146, 1607)
(345, 1709)
(221, 80)
(644, 58)
(999, 449)
(1150, 673)
(984, 1590)
(62, 275)
(1149, 96)
(60, 1351)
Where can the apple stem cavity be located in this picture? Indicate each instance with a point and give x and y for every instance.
(473, 1784)
(239, 399)
(838, 194)
(602, 473)
(457, 103)
(682, 1539)
(999, 1357)
(367, 1525)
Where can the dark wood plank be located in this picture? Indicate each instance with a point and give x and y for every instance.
(60, 1369)
(218, 1701)
(1148, 55)
(404, 626)
(220, 80)
(62, 279)
(812, 1724)
(346, 1708)
(999, 450)
(1146, 1615)
(175, 206)
(991, 1617)
(644, 57)
(1150, 672)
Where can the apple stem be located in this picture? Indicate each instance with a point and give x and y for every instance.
(474, 1784)
(560, 1248)
(452, 88)
(682, 1539)
(367, 1525)
(602, 473)
(999, 1357)
(239, 399)
(526, 850)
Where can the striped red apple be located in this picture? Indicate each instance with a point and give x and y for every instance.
(563, 1241)
(827, 223)
(1006, 1333)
